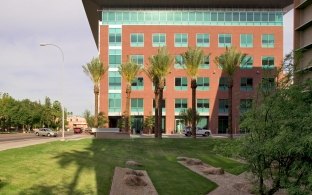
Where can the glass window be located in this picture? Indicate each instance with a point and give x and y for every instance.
(214, 16)
(245, 105)
(159, 40)
(267, 40)
(180, 40)
(114, 102)
(179, 63)
(114, 80)
(247, 63)
(138, 59)
(202, 40)
(180, 104)
(202, 83)
(137, 40)
(206, 63)
(268, 62)
(114, 36)
(225, 40)
(223, 106)
(202, 105)
(114, 58)
(181, 83)
(138, 84)
(246, 40)
(137, 105)
(223, 84)
(246, 84)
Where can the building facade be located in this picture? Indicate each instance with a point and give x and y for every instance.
(303, 37)
(76, 121)
(135, 32)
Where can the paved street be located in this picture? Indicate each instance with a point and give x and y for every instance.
(8, 141)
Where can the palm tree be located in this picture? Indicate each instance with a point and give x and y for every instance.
(129, 72)
(193, 58)
(150, 71)
(161, 65)
(187, 116)
(230, 62)
(95, 70)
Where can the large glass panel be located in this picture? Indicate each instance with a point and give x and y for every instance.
(246, 40)
(114, 80)
(114, 102)
(202, 105)
(223, 106)
(268, 40)
(181, 83)
(247, 63)
(180, 104)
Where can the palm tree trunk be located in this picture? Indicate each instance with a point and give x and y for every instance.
(127, 113)
(156, 92)
(193, 86)
(96, 109)
(161, 91)
(230, 128)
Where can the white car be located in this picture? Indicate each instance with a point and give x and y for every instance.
(45, 132)
(199, 131)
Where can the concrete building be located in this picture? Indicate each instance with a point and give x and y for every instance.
(136, 29)
(303, 37)
(76, 121)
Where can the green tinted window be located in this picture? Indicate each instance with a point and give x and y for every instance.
(114, 102)
(246, 84)
(225, 40)
(223, 106)
(137, 40)
(138, 84)
(245, 105)
(159, 40)
(268, 62)
(246, 40)
(202, 83)
(247, 63)
(180, 40)
(202, 40)
(138, 59)
(181, 83)
(114, 80)
(268, 40)
(223, 84)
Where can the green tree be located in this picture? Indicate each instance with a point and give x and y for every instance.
(160, 66)
(187, 117)
(149, 123)
(129, 72)
(193, 58)
(278, 146)
(230, 62)
(102, 119)
(95, 70)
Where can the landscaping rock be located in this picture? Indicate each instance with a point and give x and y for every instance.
(182, 158)
(133, 163)
(134, 172)
(193, 161)
(213, 171)
(133, 180)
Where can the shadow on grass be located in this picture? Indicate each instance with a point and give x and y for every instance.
(2, 184)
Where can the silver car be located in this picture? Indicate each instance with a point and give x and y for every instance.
(46, 132)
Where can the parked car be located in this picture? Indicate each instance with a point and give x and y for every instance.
(199, 131)
(77, 130)
(45, 132)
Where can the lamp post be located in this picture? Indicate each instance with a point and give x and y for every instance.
(62, 100)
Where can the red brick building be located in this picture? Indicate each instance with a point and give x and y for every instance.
(135, 30)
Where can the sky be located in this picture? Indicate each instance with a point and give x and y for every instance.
(29, 71)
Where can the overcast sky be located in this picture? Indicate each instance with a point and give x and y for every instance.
(30, 71)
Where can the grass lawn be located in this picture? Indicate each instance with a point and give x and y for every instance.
(87, 166)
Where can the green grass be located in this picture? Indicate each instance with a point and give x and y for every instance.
(87, 166)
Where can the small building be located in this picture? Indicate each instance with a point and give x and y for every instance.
(76, 121)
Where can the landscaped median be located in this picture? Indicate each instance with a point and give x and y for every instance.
(87, 166)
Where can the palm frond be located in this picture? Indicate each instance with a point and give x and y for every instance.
(129, 71)
(193, 58)
(95, 70)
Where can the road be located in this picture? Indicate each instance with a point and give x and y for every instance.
(8, 141)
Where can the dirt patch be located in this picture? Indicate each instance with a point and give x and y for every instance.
(131, 182)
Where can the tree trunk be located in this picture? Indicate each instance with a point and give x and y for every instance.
(127, 112)
(96, 108)
(230, 128)
(193, 86)
(156, 92)
(161, 91)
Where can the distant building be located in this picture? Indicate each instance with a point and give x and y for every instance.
(135, 29)
(76, 121)
(303, 37)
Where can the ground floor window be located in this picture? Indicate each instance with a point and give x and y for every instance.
(136, 124)
(203, 122)
(223, 124)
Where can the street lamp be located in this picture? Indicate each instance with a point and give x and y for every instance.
(62, 100)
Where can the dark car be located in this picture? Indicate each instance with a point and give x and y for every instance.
(77, 130)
